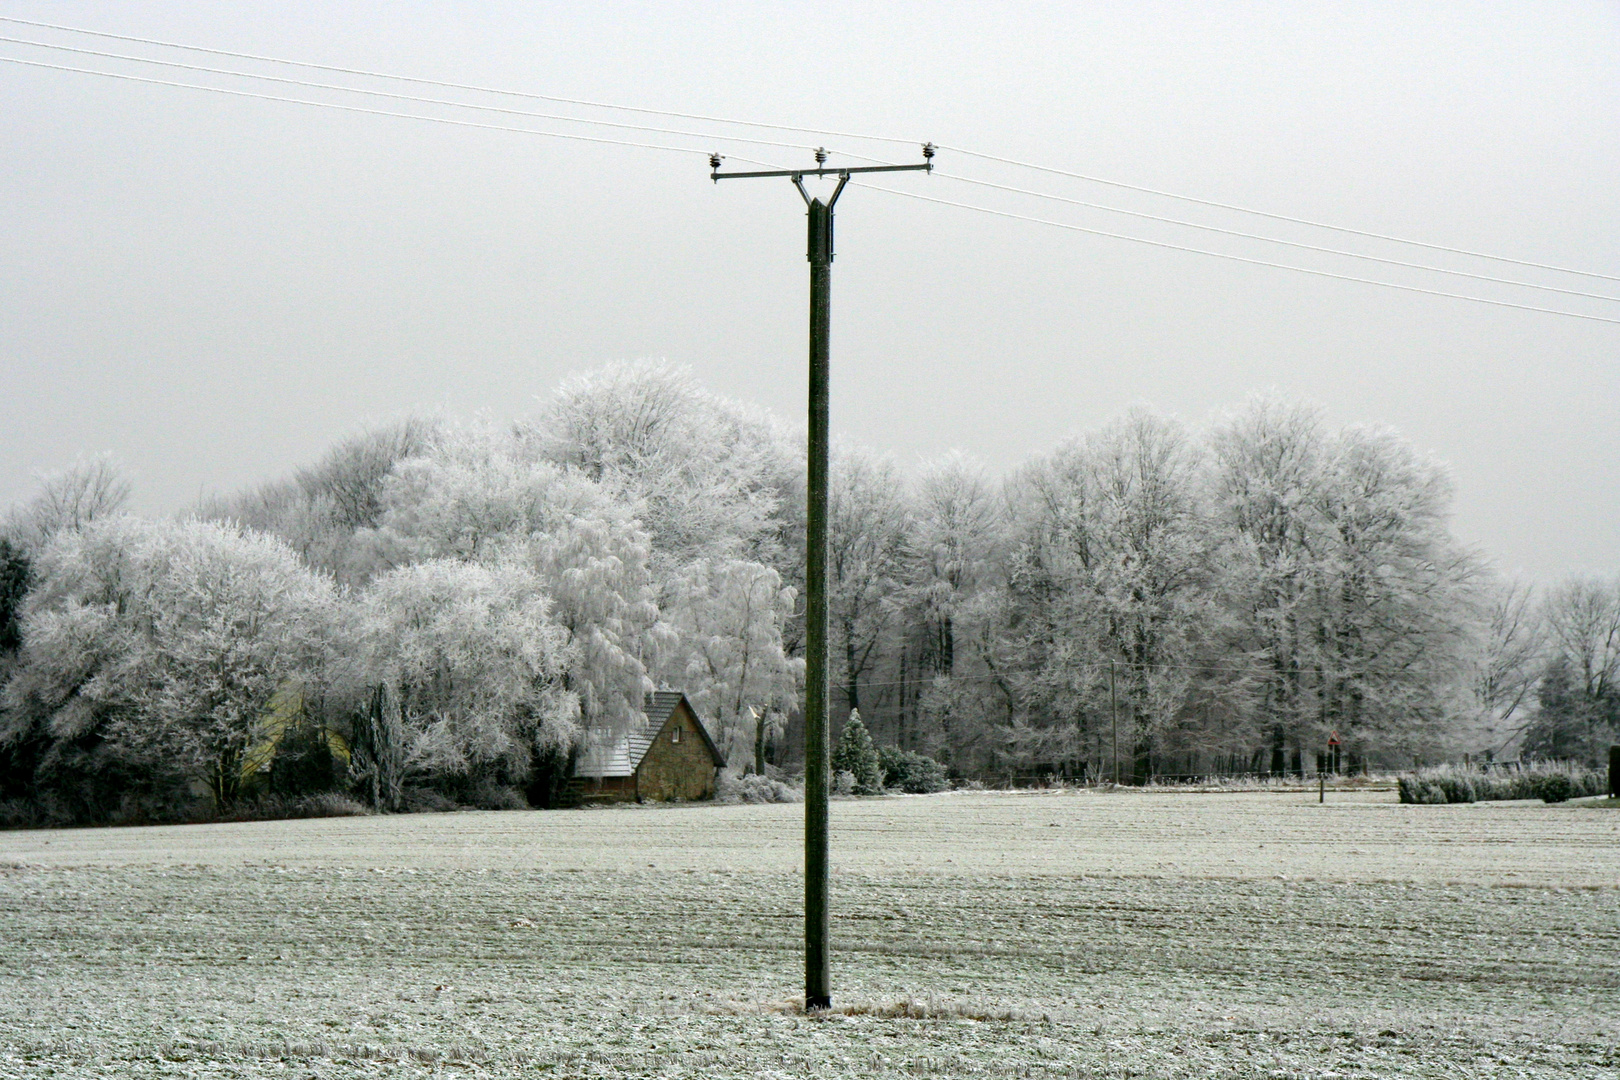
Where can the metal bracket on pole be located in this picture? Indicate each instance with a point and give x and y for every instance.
(798, 182)
(817, 939)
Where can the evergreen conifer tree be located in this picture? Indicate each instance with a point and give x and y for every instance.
(855, 754)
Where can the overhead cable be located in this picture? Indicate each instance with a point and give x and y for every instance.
(1274, 240)
(804, 130)
(408, 97)
(796, 146)
(353, 108)
(451, 85)
(1240, 258)
(1273, 217)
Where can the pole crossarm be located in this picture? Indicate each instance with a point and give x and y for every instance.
(718, 176)
(821, 169)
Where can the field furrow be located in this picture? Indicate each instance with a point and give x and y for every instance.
(646, 943)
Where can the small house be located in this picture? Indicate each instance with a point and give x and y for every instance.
(670, 757)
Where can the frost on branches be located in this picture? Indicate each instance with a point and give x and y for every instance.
(155, 647)
(433, 612)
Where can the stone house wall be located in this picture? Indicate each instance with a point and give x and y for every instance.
(678, 764)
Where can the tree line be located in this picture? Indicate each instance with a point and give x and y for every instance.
(448, 608)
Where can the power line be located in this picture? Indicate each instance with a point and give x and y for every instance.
(405, 97)
(452, 85)
(806, 130)
(1273, 217)
(766, 142)
(1274, 240)
(1243, 258)
(795, 146)
(693, 150)
(708, 135)
(353, 108)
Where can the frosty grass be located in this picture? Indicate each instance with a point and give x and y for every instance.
(978, 934)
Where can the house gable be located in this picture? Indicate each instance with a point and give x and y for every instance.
(670, 757)
(681, 760)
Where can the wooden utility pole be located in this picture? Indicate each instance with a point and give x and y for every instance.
(1113, 710)
(1321, 775)
(817, 954)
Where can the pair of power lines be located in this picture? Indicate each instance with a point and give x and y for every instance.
(703, 134)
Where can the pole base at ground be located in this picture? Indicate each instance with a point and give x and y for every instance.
(817, 1004)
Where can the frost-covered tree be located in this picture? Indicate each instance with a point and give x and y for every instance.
(948, 548)
(158, 646)
(1578, 697)
(91, 488)
(947, 557)
(474, 496)
(1114, 578)
(473, 666)
(1267, 488)
(1394, 612)
(1582, 618)
(727, 617)
(1348, 601)
(867, 522)
(326, 511)
(707, 477)
(15, 574)
(1506, 664)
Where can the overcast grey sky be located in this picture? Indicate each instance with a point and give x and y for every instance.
(214, 288)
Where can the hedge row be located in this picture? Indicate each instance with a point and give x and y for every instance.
(1550, 781)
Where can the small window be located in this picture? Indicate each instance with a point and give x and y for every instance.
(675, 735)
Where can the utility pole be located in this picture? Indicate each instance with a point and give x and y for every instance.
(1113, 709)
(817, 958)
(1321, 774)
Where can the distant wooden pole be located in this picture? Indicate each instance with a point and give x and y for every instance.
(1332, 758)
(1113, 708)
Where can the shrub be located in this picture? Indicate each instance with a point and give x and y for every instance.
(488, 795)
(1465, 783)
(333, 804)
(274, 807)
(18, 814)
(843, 782)
(423, 800)
(913, 773)
(1457, 788)
(754, 788)
(1555, 788)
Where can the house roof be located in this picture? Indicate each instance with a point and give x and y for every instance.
(607, 754)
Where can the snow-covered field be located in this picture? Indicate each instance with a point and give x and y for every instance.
(1064, 934)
